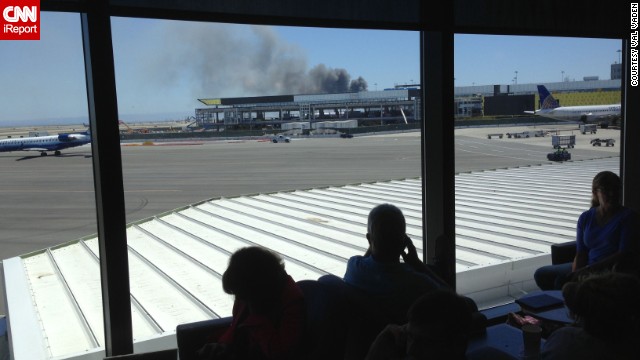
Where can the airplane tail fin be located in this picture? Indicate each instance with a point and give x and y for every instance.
(547, 101)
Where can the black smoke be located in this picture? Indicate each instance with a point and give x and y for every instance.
(234, 60)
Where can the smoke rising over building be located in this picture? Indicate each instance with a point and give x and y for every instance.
(217, 60)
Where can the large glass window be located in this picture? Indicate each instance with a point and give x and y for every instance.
(536, 119)
(235, 135)
(46, 200)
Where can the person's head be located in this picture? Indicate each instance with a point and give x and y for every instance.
(438, 326)
(606, 188)
(606, 304)
(254, 275)
(386, 231)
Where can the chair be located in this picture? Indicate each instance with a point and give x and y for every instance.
(324, 335)
(367, 316)
(170, 354)
(563, 253)
(193, 336)
(326, 320)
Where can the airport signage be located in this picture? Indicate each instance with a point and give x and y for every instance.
(20, 20)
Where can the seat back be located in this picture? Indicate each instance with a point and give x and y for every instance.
(367, 316)
(563, 253)
(193, 336)
(326, 314)
(171, 354)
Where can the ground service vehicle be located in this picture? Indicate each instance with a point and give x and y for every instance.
(559, 155)
(599, 142)
(280, 138)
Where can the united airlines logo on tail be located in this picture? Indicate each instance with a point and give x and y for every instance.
(549, 103)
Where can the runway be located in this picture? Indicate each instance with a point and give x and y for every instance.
(50, 200)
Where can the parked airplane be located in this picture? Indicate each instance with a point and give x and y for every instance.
(602, 114)
(43, 144)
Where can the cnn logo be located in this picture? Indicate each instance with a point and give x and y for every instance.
(24, 14)
(20, 20)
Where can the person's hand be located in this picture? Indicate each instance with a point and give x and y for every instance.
(410, 254)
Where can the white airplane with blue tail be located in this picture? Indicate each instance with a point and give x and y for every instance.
(605, 115)
(43, 144)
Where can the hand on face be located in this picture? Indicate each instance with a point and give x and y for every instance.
(410, 253)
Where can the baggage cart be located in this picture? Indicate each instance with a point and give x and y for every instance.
(588, 128)
(563, 141)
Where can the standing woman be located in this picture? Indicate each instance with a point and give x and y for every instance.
(607, 234)
(268, 311)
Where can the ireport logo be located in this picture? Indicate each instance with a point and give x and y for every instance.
(20, 20)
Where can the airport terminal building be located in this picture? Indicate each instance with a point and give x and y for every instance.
(395, 105)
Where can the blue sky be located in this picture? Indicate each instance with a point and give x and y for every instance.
(163, 67)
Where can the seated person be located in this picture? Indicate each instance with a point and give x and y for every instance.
(384, 287)
(607, 233)
(607, 315)
(268, 312)
(438, 328)
(379, 271)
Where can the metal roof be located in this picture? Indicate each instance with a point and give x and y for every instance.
(506, 220)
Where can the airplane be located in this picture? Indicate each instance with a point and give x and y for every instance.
(43, 144)
(602, 114)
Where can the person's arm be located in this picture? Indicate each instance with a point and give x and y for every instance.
(627, 247)
(410, 257)
(580, 261)
(582, 251)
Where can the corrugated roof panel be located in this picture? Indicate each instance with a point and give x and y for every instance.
(326, 224)
(162, 299)
(63, 328)
(199, 281)
(143, 326)
(277, 241)
(305, 231)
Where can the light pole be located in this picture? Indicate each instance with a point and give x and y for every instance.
(562, 78)
(619, 60)
(516, 77)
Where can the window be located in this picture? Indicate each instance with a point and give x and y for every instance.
(516, 193)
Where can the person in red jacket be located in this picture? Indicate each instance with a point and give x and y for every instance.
(268, 311)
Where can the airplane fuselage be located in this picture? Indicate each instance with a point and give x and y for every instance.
(550, 107)
(45, 143)
(588, 113)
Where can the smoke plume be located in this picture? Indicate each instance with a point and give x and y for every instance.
(233, 60)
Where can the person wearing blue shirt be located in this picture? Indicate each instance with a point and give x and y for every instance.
(379, 272)
(606, 234)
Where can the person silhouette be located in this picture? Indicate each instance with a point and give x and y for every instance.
(268, 311)
(607, 234)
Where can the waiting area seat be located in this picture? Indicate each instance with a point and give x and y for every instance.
(170, 354)
(341, 322)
